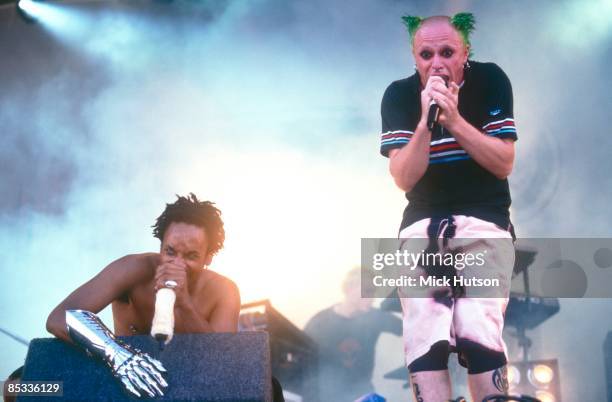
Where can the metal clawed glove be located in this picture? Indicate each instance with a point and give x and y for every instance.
(138, 372)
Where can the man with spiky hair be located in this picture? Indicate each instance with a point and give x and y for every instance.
(453, 171)
(191, 233)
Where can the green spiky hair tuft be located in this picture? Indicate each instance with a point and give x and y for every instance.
(464, 24)
(412, 24)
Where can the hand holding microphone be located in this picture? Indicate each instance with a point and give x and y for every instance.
(434, 108)
(162, 328)
(170, 283)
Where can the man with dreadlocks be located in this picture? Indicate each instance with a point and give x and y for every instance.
(454, 176)
(191, 233)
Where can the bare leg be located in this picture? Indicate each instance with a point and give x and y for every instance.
(431, 386)
(488, 383)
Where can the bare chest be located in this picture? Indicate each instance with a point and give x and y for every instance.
(135, 315)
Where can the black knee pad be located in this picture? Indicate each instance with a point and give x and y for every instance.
(435, 359)
(478, 358)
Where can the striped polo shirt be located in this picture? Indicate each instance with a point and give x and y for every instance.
(454, 183)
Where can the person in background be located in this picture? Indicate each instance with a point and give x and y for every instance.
(346, 334)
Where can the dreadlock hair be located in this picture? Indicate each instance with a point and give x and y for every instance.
(462, 22)
(194, 212)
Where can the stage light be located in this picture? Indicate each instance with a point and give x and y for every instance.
(55, 17)
(514, 375)
(35, 10)
(541, 374)
(25, 5)
(27, 9)
(545, 396)
(535, 378)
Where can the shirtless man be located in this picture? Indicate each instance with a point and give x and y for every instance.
(191, 233)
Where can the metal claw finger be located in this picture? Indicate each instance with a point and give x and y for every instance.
(129, 386)
(158, 365)
(146, 378)
(135, 379)
(152, 371)
(155, 386)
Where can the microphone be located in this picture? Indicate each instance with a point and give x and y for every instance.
(162, 327)
(434, 109)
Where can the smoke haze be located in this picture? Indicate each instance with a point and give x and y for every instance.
(271, 109)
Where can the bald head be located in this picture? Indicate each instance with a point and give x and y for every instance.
(439, 49)
(436, 19)
(438, 28)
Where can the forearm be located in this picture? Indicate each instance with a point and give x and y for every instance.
(493, 154)
(94, 295)
(56, 324)
(139, 373)
(409, 163)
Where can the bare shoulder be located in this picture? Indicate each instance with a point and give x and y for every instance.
(220, 286)
(134, 267)
(113, 283)
(138, 260)
(222, 297)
